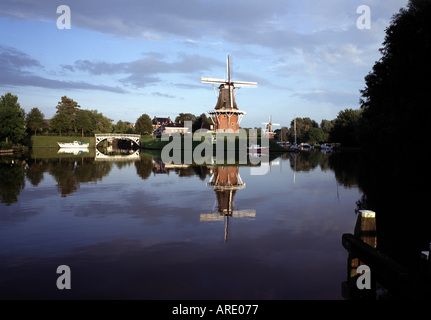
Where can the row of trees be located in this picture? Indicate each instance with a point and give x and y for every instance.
(71, 119)
(342, 130)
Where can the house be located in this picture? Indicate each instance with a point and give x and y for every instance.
(176, 127)
(161, 122)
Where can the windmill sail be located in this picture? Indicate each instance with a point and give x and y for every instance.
(226, 115)
(212, 80)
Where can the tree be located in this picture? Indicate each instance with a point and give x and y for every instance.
(70, 108)
(185, 117)
(396, 100)
(60, 122)
(327, 126)
(281, 134)
(344, 130)
(302, 126)
(122, 127)
(200, 122)
(84, 122)
(34, 120)
(12, 120)
(144, 125)
(315, 136)
(101, 124)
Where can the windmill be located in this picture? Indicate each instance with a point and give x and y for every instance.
(269, 125)
(226, 116)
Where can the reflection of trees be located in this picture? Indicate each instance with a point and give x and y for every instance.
(69, 173)
(62, 171)
(35, 172)
(12, 180)
(123, 163)
(144, 167)
(306, 161)
(346, 167)
(186, 171)
(344, 164)
(202, 172)
(88, 170)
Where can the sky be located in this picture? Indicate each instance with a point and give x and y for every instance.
(127, 58)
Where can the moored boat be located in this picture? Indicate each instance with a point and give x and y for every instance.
(74, 144)
(305, 146)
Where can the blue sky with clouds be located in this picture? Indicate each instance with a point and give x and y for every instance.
(126, 58)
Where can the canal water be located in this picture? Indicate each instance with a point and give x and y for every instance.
(129, 226)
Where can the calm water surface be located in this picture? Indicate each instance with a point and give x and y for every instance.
(141, 229)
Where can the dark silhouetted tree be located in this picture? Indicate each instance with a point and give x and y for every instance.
(396, 100)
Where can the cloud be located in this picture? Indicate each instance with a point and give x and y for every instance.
(164, 95)
(16, 70)
(342, 98)
(146, 71)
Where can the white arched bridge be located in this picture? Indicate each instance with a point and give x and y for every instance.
(136, 138)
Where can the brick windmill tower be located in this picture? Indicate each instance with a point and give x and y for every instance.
(226, 117)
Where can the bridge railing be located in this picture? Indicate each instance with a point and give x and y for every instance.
(117, 135)
(102, 136)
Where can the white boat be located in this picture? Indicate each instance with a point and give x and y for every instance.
(74, 144)
(254, 148)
